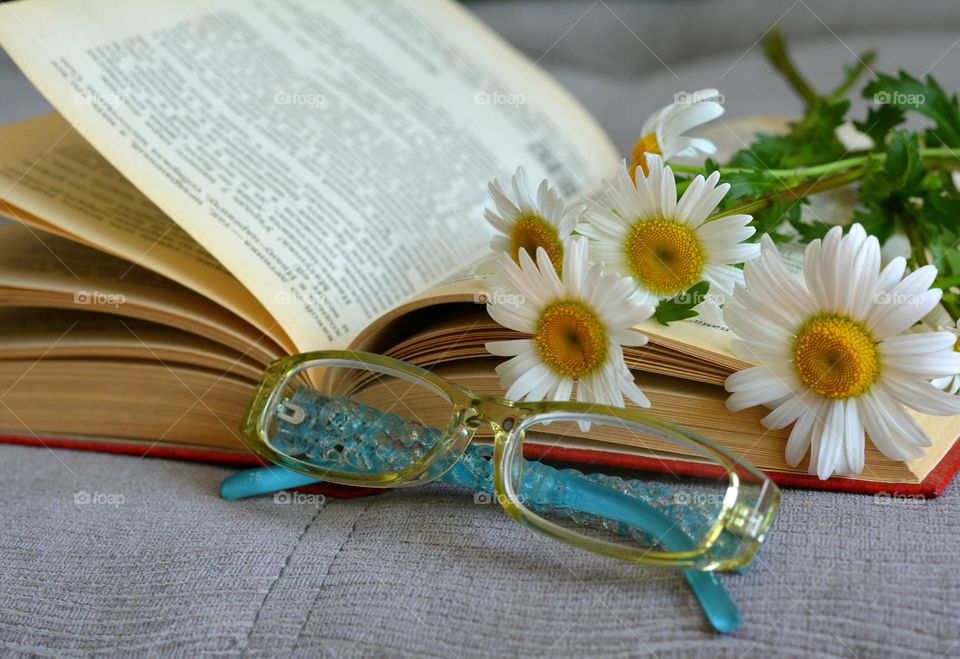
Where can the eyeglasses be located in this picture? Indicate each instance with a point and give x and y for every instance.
(361, 419)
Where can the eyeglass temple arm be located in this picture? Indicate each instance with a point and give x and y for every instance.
(592, 498)
(581, 494)
(262, 480)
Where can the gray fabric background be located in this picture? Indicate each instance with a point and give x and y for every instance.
(174, 569)
(162, 566)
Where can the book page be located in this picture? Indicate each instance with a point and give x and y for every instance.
(122, 399)
(42, 270)
(51, 178)
(333, 157)
(30, 333)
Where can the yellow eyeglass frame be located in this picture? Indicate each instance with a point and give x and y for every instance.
(749, 503)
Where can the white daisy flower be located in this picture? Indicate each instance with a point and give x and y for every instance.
(664, 244)
(836, 353)
(950, 383)
(526, 223)
(663, 133)
(577, 327)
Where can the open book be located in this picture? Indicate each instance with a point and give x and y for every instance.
(228, 183)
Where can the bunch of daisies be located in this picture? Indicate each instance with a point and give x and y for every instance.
(837, 353)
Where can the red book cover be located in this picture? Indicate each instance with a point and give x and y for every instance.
(932, 486)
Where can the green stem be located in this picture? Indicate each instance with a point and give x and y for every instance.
(775, 48)
(918, 254)
(795, 192)
(864, 62)
(952, 307)
(940, 157)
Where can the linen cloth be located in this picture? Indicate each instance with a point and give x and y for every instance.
(111, 555)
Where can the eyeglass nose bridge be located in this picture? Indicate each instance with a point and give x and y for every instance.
(500, 413)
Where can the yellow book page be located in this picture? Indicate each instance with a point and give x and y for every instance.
(42, 270)
(332, 156)
(30, 333)
(149, 401)
(52, 178)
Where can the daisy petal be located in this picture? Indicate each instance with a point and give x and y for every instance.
(904, 304)
(853, 435)
(754, 386)
(564, 389)
(799, 440)
(794, 407)
(633, 393)
(509, 348)
(907, 345)
(527, 381)
(831, 443)
(885, 422)
(928, 366)
(922, 396)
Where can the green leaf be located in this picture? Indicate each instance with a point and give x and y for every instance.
(879, 121)
(773, 217)
(876, 221)
(681, 306)
(810, 141)
(941, 202)
(751, 183)
(943, 248)
(901, 175)
(888, 191)
(942, 211)
(903, 166)
(809, 232)
(923, 97)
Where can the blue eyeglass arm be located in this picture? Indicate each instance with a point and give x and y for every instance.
(552, 489)
(593, 498)
(262, 480)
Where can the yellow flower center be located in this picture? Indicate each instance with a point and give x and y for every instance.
(638, 157)
(532, 231)
(571, 338)
(836, 356)
(665, 256)
(956, 345)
